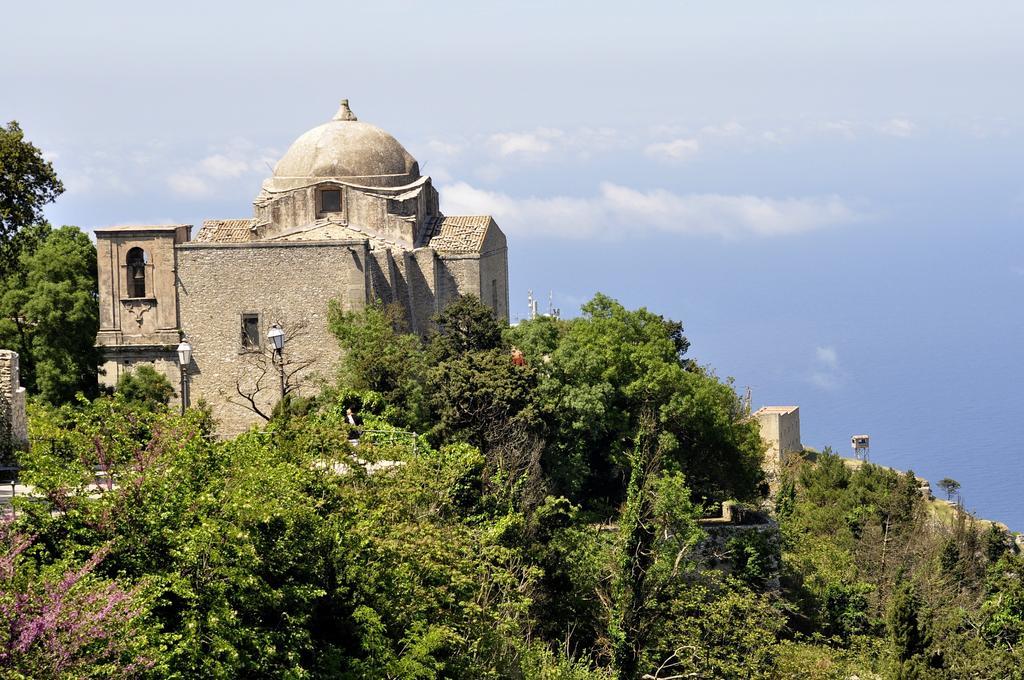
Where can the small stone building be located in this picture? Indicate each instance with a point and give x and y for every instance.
(346, 216)
(780, 430)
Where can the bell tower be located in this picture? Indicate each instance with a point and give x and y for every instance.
(138, 298)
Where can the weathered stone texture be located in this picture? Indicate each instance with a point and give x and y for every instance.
(494, 272)
(421, 273)
(138, 329)
(386, 240)
(12, 399)
(151, 319)
(780, 430)
(289, 284)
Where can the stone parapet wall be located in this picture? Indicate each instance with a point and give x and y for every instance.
(12, 399)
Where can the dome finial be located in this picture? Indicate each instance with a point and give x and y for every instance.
(344, 113)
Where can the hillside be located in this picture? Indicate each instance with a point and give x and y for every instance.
(548, 522)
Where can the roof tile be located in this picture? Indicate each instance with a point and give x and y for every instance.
(225, 231)
(461, 233)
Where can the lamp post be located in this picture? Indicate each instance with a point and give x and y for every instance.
(184, 359)
(276, 338)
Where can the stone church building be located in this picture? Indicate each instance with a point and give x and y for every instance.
(345, 216)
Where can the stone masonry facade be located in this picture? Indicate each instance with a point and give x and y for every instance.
(12, 401)
(780, 430)
(346, 216)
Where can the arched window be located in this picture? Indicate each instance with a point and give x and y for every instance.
(136, 262)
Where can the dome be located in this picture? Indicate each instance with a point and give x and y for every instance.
(346, 148)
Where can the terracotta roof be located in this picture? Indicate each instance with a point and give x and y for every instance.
(225, 231)
(461, 233)
(140, 227)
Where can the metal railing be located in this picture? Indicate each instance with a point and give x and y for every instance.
(387, 437)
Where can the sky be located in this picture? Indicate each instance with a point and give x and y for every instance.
(829, 196)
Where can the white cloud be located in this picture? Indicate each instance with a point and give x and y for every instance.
(843, 128)
(189, 185)
(93, 179)
(587, 140)
(728, 129)
(439, 173)
(618, 211)
(442, 148)
(535, 143)
(826, 373)
(238, 158)
(825, 380)
(544, 143)
(489, 172)
(219, 166)
(894, 127)
(827, 356)
(897, 127)
(675, 150)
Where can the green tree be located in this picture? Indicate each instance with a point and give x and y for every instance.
(146, 387)
(657, 531)
(1002, 611)
(465, 325)
(478, 395)
(950, 486)
(380, 356)
(606, 368)
(907, 632)
(50, 314)
(537, 338)
(995, 543)
(27, 183)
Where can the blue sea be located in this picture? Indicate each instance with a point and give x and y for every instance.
(906, 325)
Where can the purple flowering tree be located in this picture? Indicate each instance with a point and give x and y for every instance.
(76, 625)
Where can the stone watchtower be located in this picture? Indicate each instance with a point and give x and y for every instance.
(138, 298)
(780, 430)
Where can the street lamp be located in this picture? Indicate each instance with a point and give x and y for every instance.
(276, 338)
(184, 359)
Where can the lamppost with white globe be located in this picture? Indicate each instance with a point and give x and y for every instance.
(276, 338)
(184, 359)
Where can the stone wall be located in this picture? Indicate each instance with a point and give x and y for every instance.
(460, 276)
(396, 217)
(494, 273)
(289, 283)
(421, 278)
(12, 400)
(719, 548)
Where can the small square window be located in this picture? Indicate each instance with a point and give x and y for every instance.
(250, 331)
(330, 200)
